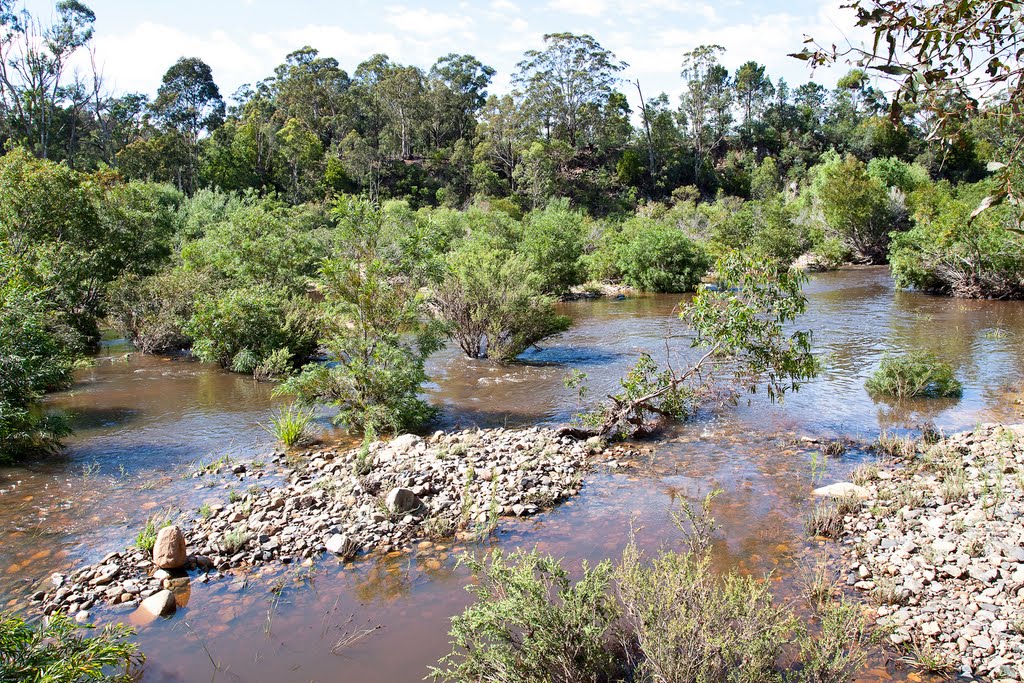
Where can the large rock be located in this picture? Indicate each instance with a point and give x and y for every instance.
(400, 500)
(843, 489)
(169, 549)
(159, 604)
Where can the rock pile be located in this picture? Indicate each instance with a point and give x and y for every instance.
(939, 548)
(377, 498)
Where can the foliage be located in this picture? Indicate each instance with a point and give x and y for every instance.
(917, 373)
(531, 623)
(34, 358)
(947, 252)
(374, 329)
(653, 256)
(552, 244)
(146, 538)
(60, 652)
(855, 207)
(152, 312)
(240, 328)
(493, 303)
(292, 426)
(739, 327)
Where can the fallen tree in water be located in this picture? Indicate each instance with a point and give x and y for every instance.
(739, 325)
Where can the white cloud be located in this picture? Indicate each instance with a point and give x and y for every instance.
(589, 8)
(422, 21)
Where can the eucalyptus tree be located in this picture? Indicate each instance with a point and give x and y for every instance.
(456, 92)
(567, 84)
(705, 103)
(33, 60)
(190, 104)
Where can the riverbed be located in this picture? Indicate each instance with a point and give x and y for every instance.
(144, 423)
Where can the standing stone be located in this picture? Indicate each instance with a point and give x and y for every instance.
(843, 489)
(401, 500)
(169, 549)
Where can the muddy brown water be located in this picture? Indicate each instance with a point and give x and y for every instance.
(142, 423)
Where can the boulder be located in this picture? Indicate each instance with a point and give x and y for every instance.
(169, 549)
(159, 604)
(400, 500)
(843, 489)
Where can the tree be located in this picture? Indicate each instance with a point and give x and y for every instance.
(190, 103)
(457, 91)
(566, 84)
(33, 59)
(855, 207)
(705, 104)
(956, 60)
(376, 330)
(753, 89)
(739, 327)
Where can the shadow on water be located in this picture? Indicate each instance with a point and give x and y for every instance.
(154, 416)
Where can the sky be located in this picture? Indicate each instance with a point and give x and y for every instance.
(243, 40)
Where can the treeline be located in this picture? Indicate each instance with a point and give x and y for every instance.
(437, 136)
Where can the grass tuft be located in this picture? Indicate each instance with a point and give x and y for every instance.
(292, 426)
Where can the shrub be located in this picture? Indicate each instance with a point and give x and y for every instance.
(532, 624)
(493, 303)
(34, 358)
(59, 652)
(241, 327)
(655, 256)
(552, 243)
(153, 312)
(949, 252)
(855, 207)
(918, 373)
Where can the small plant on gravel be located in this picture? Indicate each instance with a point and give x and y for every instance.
(918, 373)
(61, 652)
(824, 519)
(895, 446)
(837, 653)
(146, 538)
(887, 592)
(234, 496)
(848, 505)
(909, 497)
(954, 486)
(834, 448)
(923, 655)
(864, 474)
(205, 511)
(235, 540)
(363, 464)
(292, 426)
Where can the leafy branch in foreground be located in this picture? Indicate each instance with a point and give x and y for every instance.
(739, 326)
(60, 653)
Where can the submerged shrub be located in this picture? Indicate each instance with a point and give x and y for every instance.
(656, 256)
(60, 652)
(918, 373)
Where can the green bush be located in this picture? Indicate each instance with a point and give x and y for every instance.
(948, 252)
(241, 327)
(855, 206)
(532, 624)
(552, 243)
(655, 256)
(375, 330)
(492, 302)
(60, 652)
(918, 373)
(34, 359)
(153, 312)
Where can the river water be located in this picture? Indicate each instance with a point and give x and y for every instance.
(142, 423)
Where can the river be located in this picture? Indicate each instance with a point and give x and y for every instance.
(142, 423)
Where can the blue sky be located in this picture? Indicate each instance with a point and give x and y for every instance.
(242, 40)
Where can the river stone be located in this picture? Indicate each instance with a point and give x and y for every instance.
(169, 549)
(401, 500)
(404, 443)
(843, 489)
(159, 604)
(340, 544)
(105, 575)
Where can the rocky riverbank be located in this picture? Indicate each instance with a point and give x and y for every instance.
(379, 498)
(938, 548)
